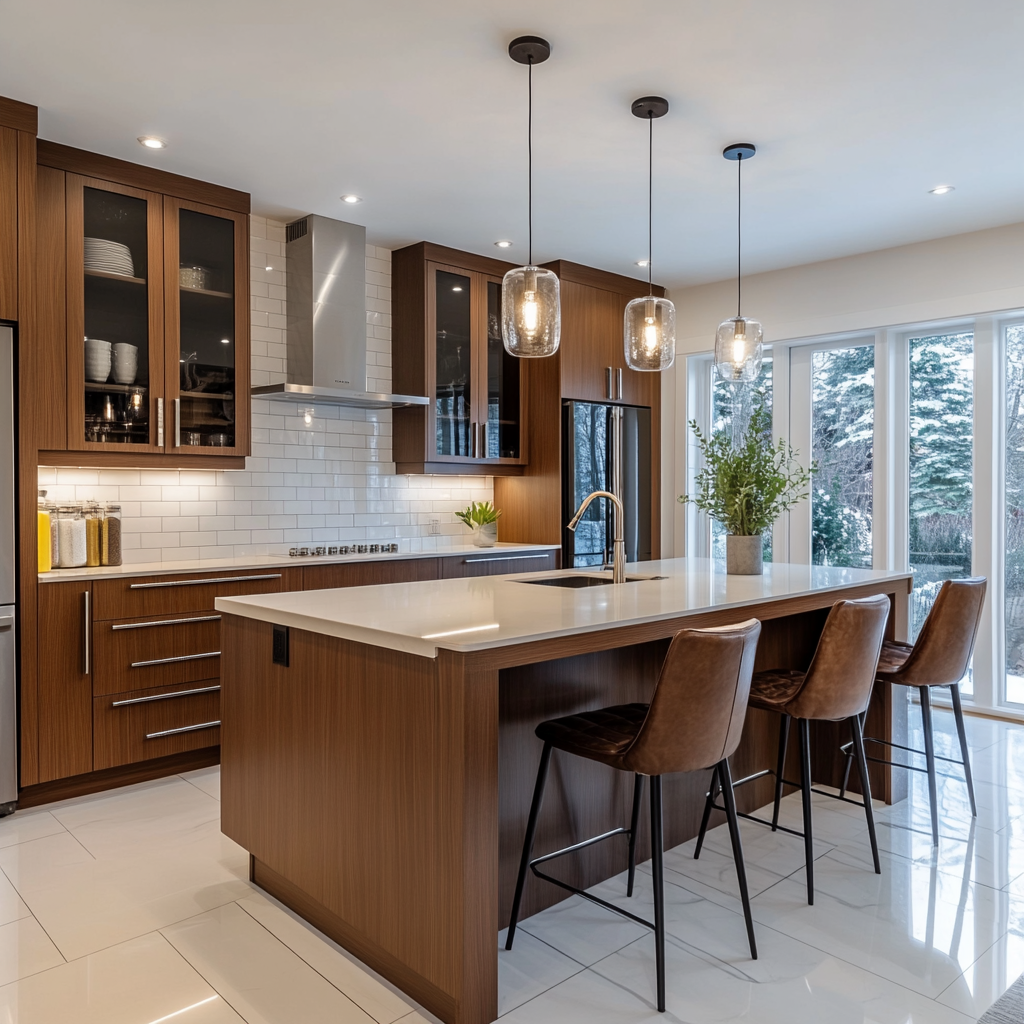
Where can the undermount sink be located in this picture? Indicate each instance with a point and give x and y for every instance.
(580, 581)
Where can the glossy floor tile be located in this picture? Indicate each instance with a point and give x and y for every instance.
(150, 907)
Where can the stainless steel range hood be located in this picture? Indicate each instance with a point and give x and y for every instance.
(327, 319)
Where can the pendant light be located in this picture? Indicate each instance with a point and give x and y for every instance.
(649, 325)
(738, 343)
(531, 319)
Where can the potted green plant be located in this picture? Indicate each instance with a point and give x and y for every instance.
(482, 518)
(746, 486)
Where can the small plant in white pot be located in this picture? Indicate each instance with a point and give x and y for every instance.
(482, 518)
(747, 486)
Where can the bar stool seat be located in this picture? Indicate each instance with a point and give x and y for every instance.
(603, 735)
(775, 688)
(894, 656)
(694, 721)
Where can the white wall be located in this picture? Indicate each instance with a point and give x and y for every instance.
(330, 481)
(959, 276)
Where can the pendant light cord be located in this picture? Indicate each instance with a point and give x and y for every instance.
(529, 150)
(650, 202)
(739, 234)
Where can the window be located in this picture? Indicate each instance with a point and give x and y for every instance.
(1013, 604)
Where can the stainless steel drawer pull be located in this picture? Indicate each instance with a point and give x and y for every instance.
(163, 696)
(184, 728)
(166, 622)
(503, 558)
(212, 579)
(171, 661)
(6, 620)
(86, 631)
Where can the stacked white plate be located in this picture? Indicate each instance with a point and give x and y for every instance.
(110, 257)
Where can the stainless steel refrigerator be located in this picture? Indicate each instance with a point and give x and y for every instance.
(605, 448)
(8, 618)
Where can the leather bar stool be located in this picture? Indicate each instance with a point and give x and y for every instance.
(940, 657)
(836, 686)
(694, 721)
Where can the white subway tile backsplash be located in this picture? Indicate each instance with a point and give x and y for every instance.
(328, 481)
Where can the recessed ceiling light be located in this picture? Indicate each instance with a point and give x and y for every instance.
(642, 263)
(350, 198)
(941, 190)
(503, 243)
(152, 142)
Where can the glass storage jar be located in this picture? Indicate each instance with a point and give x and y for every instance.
(110, 550)
(71, 537)
(93, 528)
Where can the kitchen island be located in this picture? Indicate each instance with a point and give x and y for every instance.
(378, 754)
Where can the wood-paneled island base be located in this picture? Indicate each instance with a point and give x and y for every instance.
(382, 778)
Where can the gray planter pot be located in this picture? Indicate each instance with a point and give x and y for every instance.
(743, 555)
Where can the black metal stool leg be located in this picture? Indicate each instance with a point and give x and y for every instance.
(531, 828)
(658, 871)
(634, 821)
(805, 789)
(929, 754)
(708, 805)
(865, 787)
(784, 724)
(958, 714)
(737, 849)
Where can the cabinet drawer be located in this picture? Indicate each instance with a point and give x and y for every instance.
(497, 565)
(139, 596)
(137, 726)
(363, 574)
(142, 653)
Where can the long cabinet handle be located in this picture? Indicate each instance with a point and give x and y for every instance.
(472, 440)
(163, 696)
(184, 728)
(174, 661)
(483, 441)
(210, 579)
(177, 423)
(166, 622)
(86, 630)
(160, 422)
(503, 558)
(618, 381)
(608, 381)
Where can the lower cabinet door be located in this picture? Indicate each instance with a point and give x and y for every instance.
(144, 724)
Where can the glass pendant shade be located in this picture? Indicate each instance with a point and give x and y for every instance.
(738, 350)
(531, 317)
(649, 329)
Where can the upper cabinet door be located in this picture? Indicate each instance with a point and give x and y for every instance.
(453, 418)
(502, 390)
(115, 353)
(206, 283)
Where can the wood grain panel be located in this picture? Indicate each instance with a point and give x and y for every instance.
(8, 224)
(483, 564)
(120, 731)
(362, 574)
(149, 179)
(49, 394)
(117, 650)
(65, 689)
(22, 117)
(133, 597)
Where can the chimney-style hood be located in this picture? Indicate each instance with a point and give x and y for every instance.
(327, 318)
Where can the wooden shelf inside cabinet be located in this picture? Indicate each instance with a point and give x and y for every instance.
(207, 292)
(114, 389)
(107, 276)
(211, 396)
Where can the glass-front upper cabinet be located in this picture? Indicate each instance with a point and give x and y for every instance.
(477, 410)
(114, 316)
(205, 261)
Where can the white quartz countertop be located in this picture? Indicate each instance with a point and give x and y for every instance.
(478, 613)
(107, 572)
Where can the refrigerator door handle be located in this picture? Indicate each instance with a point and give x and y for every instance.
(6, 622)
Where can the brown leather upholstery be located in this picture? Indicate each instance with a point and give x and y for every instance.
(944, 647)
(839, 680)
(694, 719)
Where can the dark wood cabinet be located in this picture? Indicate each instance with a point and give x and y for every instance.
(485, 563)
(65, 666)
(365, 574)
(8, 224)
(144, 313)
(447, 345)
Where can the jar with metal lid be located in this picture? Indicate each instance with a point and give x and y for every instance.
(110, 549)
(93, 515)
(71, 537)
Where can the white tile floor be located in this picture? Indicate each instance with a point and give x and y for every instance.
(131, 908)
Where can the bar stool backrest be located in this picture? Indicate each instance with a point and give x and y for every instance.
(697, 711)
(946, 641)
(841, 675)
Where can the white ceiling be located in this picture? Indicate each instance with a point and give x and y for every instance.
(857, 109)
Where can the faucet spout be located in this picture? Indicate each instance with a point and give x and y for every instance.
(618, 518)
